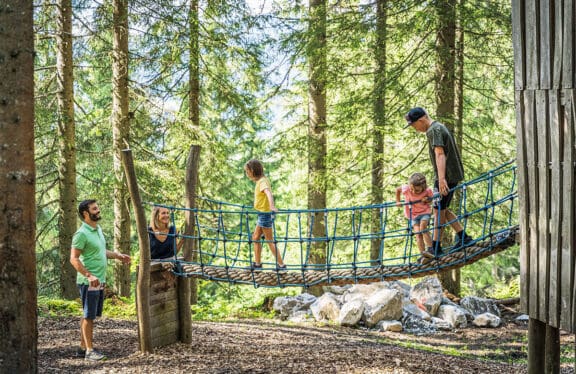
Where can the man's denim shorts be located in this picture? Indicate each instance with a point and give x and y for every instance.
(92, 301)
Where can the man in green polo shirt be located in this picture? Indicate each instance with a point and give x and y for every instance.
(448, 172)
(89, 257)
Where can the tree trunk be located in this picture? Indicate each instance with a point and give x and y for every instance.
(120, 133)
(67, 148)
(18, 326)
(445, 61)
(445, 87)
(317, 132)
(379, 122)
(459, 76)
(194, 116)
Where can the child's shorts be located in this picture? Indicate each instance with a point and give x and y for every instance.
(265, 220)
(92, 301)
(420, 218)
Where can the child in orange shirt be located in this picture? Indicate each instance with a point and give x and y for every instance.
(417, 199)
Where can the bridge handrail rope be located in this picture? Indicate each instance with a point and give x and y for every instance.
(223, 238)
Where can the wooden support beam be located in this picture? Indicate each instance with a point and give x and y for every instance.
(552, 356)
(143, 282)
(536, 345)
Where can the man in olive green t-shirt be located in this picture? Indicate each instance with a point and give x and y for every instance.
(448, 172)
(89, 256)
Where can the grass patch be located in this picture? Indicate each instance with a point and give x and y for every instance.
(114, 307)
(48, 307)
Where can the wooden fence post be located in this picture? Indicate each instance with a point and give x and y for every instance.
(143, 283)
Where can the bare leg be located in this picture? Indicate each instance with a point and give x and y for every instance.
(450, 216)
(257, 245)
(270, 239)
(82, 342)
(425, 234)
(86, 331)
(419, 240)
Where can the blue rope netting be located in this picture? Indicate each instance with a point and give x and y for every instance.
(223, 247)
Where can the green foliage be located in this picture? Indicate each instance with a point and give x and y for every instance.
(219, 301)
(504, 291)
(253, 75)
(496, 276)
(58, 308)
(114, 307)
(120, 307)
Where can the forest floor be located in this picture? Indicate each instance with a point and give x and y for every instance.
(271, 346)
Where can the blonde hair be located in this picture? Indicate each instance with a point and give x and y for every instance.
(154, 217)
(417, 179)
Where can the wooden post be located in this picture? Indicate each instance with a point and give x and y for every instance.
(552, 363)
(143, 283)
(187, 288)
(536, 344)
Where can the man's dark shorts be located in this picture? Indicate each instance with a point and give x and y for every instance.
(92, 301)
(444, 202)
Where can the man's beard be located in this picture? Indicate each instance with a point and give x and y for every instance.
(95, 217)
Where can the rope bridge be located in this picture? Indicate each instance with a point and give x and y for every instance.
(223, 246)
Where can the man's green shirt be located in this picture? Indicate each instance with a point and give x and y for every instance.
(90, 241)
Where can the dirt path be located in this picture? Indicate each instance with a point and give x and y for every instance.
(266, 347)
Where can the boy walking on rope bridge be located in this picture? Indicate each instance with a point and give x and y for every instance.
(89, 256)
(417, 209)
(264, 204)
(448, 171)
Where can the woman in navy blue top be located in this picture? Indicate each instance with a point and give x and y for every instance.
(162, 234)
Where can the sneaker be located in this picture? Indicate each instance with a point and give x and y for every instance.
(434, 252)
(281, 267)
(423, 260)
(255, 266)
(94, 356)
(429, 253)
(80, 352)
(459, 241)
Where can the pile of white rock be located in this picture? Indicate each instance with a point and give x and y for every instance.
(390, 306)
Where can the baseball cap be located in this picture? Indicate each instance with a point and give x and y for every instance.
(414, 115)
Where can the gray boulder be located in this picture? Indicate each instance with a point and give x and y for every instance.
(428, 293)
(326, 307)
(393, 326)
(453, 314)
(478, 305)
(486, 320)
(287, 305)
(418, 326)
(351, 313)
(385, 304)
(441, 324)
(409, 308)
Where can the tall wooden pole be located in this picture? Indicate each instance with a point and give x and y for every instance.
(143, 283)
(189, 249)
